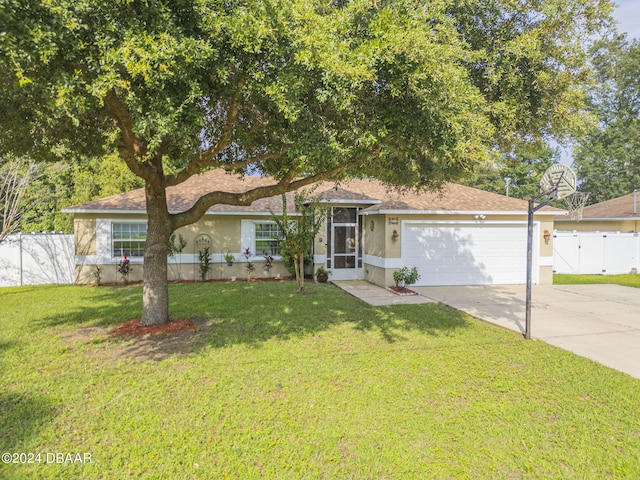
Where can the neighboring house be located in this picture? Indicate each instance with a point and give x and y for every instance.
(459, 236)
(620, 214)
(605, 241)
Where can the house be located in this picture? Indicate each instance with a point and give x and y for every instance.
(458, 236)
(605, 241)
(621, 214)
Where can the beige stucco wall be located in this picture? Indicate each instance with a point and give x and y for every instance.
(185, 272)
(546, 244)
(224, 231)
(84, 231)
(375, 240)
(381, 242)
(378, 276)
(598, 225)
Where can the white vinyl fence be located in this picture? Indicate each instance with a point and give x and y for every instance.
(36, 259)
(606, 253)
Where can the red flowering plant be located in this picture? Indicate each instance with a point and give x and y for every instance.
(249, 266)
(124, 268)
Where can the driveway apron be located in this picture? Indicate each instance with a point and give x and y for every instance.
(600, 322)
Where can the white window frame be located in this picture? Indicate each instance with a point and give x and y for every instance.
(248, 237)
(104, 242)
(112, 238)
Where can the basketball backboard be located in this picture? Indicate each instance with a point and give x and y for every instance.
(559, 180)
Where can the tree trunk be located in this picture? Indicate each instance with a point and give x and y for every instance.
(299, 262)
(155, 294)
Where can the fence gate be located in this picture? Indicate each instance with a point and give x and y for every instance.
(607, 253)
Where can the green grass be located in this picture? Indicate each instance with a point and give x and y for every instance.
(627, 280)
(293, 386)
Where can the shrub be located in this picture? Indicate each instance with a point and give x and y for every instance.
(405, 277)
(205, 263)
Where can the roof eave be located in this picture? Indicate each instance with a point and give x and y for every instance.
(603, 219)
(102, 210)
(456, 212)
(173, 212)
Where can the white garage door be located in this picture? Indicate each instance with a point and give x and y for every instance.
(447, 254)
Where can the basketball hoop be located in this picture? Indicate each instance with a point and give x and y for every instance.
(575, 204)
(558, 182)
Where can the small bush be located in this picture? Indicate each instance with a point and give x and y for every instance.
(405, 277)
(204, 258)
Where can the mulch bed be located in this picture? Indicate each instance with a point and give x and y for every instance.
(213, 280)
(134, 329)
(402, 291)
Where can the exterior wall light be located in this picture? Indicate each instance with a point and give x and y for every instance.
(395, 235)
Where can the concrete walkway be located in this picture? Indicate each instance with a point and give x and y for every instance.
(600, 322)
(377, 296)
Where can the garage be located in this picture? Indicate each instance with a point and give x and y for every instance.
(466, 254)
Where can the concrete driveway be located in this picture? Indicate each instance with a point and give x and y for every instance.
(600, 322)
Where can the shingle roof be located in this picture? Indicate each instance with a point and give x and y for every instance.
(453, 197)
(618, 208)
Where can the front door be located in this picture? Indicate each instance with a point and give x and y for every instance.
(344, 249)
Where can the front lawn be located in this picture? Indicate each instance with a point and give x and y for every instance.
(279, 385)
(626, 280)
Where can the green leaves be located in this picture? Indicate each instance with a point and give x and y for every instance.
(414, 93)
(607, 159)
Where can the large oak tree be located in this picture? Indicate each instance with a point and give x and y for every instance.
(607, 159)
(413, 93)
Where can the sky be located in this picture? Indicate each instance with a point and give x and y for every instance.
(628, 15)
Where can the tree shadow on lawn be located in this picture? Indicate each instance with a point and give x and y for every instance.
(4, 346)
(97, 307)
(430, 319)
(249, 314)
(22, 416)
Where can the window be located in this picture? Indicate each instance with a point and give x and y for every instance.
(128, 238)
(267, 238)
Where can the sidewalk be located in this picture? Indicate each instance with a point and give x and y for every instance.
(377, 296)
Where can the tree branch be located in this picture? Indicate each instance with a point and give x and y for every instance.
(130, 147)
(177, 179)
(287, 184)
(206, 158)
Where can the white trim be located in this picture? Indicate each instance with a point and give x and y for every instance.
(334, 201)
(466, 222)
(381, 262)
(97, 260)
(545, 261)
(249, 213)
(617, 219)
(319, 259)
(87, 260)
(144, 212)
(248, 237)
(247, 234)
(456, 212)
(355, 273)
(104, 244)
(346, 202)
(104, 211)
